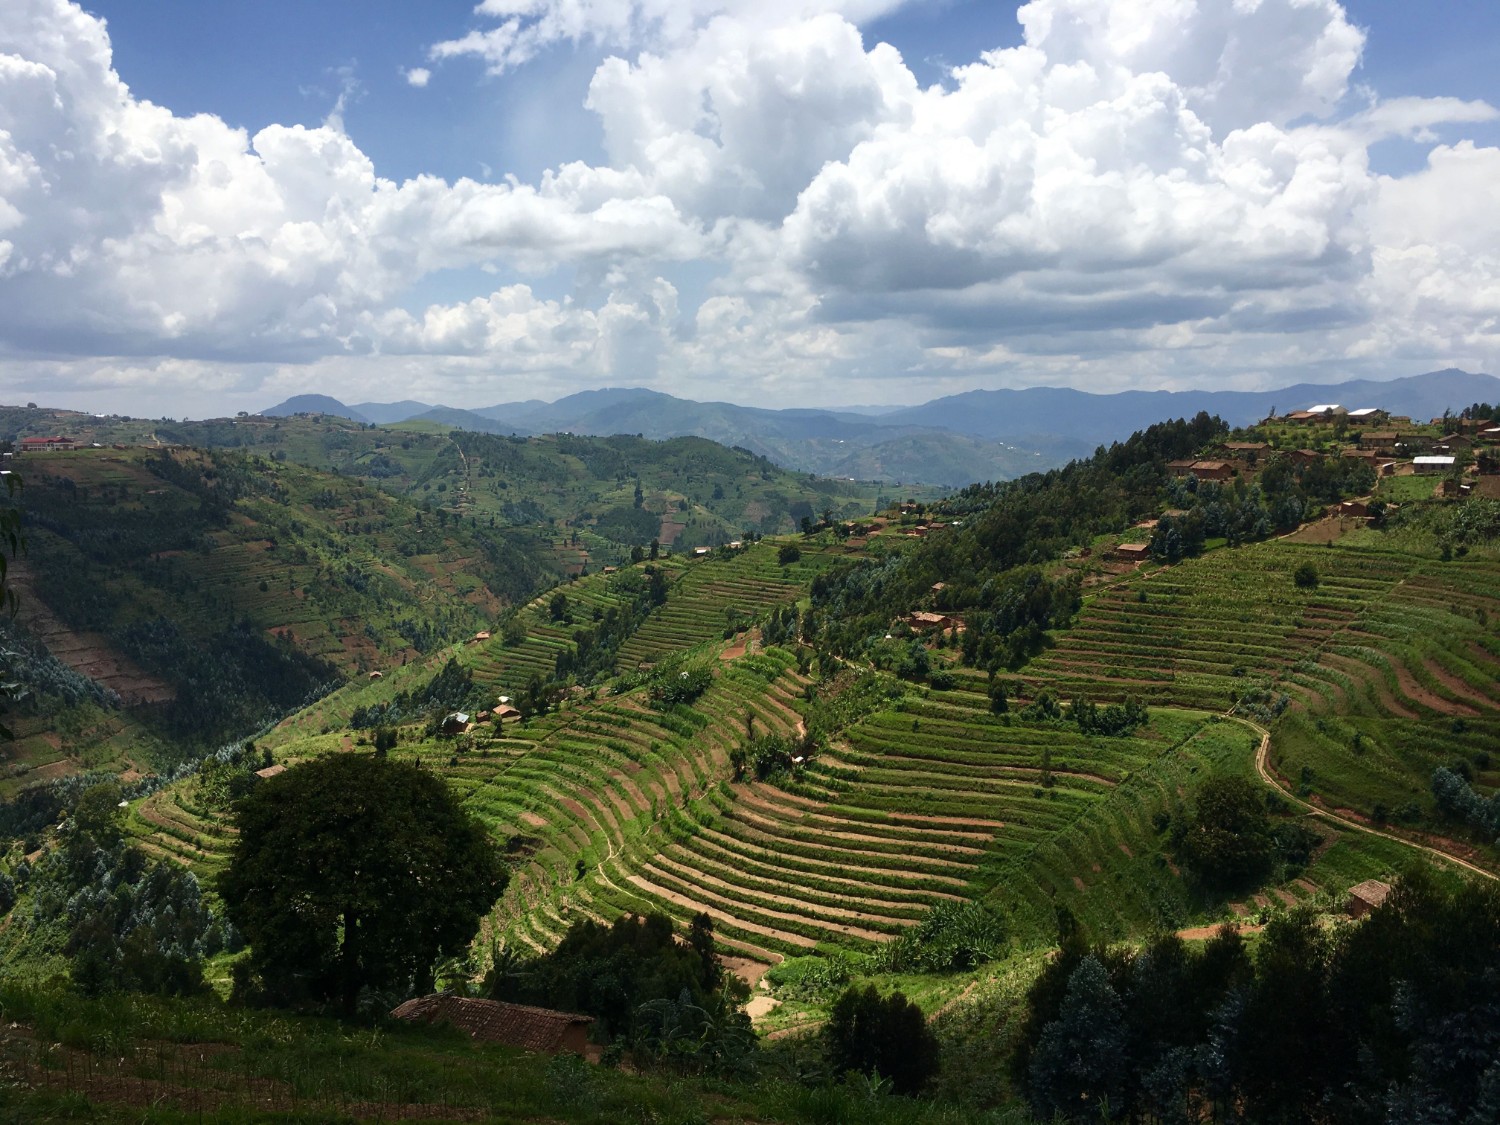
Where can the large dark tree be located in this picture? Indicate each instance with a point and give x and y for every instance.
(887, 1036)
(353, 871)
(1227, 842)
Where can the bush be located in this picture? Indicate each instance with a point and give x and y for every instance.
(953, 936)
(1306, 577)
(889, 1036)
(788, 554)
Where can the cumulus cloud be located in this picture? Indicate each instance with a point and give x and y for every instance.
(129, 229)
(525, 28)
(1142, 191)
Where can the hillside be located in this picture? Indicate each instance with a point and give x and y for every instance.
(208, 592)
(913, 781)
(774, 736)
(694, 492)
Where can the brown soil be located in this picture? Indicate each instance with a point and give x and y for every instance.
(89, 654)
(686, 872)
(1456, 685)
(846, 868)
(821, 916)
(1079, 883)
(1205, 933)
(1364, 674)
(1421, 695)
(1125, 848)
(719, 915)
(838, 829)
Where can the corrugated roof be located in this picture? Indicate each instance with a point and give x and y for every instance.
(494, 1021)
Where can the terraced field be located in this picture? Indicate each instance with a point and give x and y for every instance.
(608, 806)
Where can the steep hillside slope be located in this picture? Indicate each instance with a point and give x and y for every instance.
(209, 592)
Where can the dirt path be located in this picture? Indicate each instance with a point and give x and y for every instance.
(1204, 933)
(1263, 767)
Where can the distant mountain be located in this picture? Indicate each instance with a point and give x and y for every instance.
(466, 420)
(314, 404)
(383, 412)
(1038, 414)
(1004, 433)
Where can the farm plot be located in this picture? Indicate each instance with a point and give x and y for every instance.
(716, 593)
(1191, 635)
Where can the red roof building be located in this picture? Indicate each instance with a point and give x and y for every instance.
(44, 444)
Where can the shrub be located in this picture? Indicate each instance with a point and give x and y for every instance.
(1306, 576)
(889, 1036)
(788, 554)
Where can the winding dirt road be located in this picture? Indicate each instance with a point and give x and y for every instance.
(1263, 767)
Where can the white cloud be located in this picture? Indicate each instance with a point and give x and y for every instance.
(1143, 191)
(130, 229)
(528, 27)
(417, 76)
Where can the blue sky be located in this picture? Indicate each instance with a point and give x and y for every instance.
(284, 60)
(756, 201)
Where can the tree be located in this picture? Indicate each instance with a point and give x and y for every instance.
(353, 872)
(1078, 1070)
(1227, 842)
(885, 1036)
(788, 554)
(1306, 577)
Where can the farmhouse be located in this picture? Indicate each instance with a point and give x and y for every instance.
(924, 621)
(1327, 410)
(271, 771)
(1379, 439)
(1181, 468)
(377, 675)
(1369, 456)
(456, 723)
(1356, 509)
(702, 551)
(1302, 416)
(506, 711)
(44, 444)
(482, 635)
(1368, 414)
(1132, 552)
(1212, 470)
(1426, 466)
(1303, 456)
(494, 1021)
(1366, 897)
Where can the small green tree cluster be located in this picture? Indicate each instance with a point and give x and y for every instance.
(124, 922)
(879, 1035)
(668, 998)
(1228, 842)
(1113, 720)
(1391, 1020)
(953, 936)
(451, 688)
(675, 685)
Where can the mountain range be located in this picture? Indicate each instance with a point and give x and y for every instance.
(977, 435)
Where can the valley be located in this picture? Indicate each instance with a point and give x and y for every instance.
(845, 745)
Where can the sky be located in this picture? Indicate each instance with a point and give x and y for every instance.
(206, 208)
